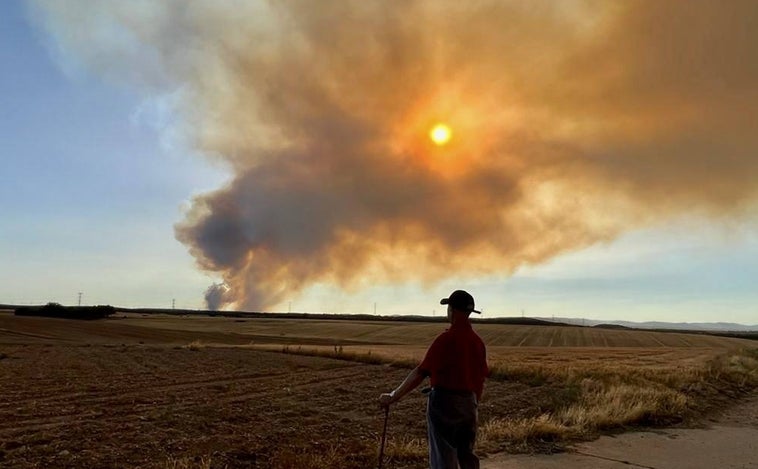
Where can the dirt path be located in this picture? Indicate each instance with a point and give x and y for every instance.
(729, 441)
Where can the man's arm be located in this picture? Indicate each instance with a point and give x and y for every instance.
(414, 378)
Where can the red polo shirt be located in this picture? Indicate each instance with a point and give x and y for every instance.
(457, 360)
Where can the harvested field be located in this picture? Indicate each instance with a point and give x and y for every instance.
(128, 406)
(417, 333)
(194, 392)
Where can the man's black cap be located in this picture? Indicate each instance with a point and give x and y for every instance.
(461, 300)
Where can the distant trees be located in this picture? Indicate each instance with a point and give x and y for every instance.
(56, 310)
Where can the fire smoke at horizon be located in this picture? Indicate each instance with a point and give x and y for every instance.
(569, 123)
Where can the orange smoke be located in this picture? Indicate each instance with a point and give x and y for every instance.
(574, 121)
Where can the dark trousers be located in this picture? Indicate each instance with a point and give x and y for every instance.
(452, 419)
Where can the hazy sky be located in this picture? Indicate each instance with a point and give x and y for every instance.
(605, 169)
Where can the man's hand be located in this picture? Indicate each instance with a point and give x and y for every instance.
(414, 378)
(386, 399)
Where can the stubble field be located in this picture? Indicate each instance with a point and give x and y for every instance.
(176, 392)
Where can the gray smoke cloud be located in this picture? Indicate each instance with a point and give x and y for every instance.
(572, 122)
(216, 296)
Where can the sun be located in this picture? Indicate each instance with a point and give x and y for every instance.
(440, 134)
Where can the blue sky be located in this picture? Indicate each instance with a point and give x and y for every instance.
(91, 191)
(93, 186)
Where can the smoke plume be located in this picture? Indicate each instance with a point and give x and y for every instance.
(572, 122)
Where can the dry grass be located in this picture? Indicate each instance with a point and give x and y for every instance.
(519, 433)
(604, 405)
(406, 448)
(299, 458)
(358, 354)
(195, 345)
(199, 462)
(398, 451)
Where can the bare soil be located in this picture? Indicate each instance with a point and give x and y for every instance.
(133, 405)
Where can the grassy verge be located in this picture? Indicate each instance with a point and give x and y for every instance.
(605, 398)
(354, 355)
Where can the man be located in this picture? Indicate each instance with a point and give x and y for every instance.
(457, 366)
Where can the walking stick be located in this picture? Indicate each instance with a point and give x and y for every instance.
(384, 435)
